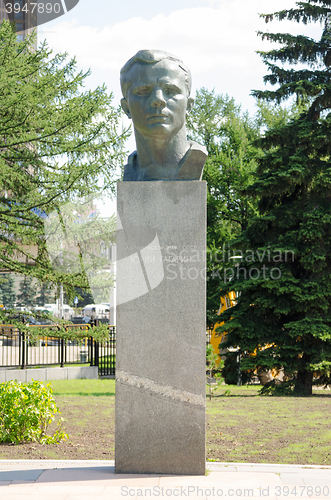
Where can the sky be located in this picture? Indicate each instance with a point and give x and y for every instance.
(216, 39)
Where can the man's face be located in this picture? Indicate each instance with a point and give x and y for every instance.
(157, 98)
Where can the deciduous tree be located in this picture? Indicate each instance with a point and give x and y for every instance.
(58, 141)
(218, 122)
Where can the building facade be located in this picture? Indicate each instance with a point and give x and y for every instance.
(21, 14)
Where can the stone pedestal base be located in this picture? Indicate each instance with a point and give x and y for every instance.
(161, 333)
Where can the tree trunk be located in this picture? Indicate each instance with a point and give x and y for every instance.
(304, 383)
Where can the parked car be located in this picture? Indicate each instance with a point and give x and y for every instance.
(104, 321)
(38, 321)
(22, 309)
(80, 320)
(49, 341)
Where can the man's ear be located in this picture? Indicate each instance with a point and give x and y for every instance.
(190, 104)
(125, 107)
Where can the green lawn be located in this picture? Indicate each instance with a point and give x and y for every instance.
(241, 426)
(245, 427)
(84, 387)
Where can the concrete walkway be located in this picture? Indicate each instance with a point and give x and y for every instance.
(96, 479)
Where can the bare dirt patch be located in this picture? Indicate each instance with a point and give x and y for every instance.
(259, 429)
(241, 427)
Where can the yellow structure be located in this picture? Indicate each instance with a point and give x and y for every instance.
(216, 338)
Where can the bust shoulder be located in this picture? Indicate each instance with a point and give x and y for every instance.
(190, 167)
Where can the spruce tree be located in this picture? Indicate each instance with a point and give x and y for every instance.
(27, 293)
(84, 297)
(283, 316)
(7, 292)
(46, 295)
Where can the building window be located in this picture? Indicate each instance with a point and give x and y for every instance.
(18, 15)
(19, 26)
(20, 38)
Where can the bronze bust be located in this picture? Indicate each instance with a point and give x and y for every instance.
(156, 96)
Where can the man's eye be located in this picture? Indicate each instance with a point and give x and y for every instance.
(171, 90)
(142, 92)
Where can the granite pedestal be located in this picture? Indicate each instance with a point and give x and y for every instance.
(160, 345)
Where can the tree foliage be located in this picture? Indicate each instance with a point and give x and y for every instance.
(218, 122)
(7, 292)
(26, 296)
(283, 316)
(45, 295)
(57, 140)
(85, 297)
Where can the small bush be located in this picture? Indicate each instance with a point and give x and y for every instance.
(214, 368)
(26, 411)
(231, 368)
(277, 388)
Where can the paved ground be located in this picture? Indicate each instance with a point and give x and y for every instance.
(92, 480)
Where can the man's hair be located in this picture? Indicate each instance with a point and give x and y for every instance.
(152, 57)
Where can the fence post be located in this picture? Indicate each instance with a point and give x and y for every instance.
(90, 350)
(96, 353)
(96, 345)
(62, 353)
(22, 340)
(112, 349)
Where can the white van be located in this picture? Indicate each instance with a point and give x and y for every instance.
(53, 309)
(43, 310)
(96, 311)
(68, 312)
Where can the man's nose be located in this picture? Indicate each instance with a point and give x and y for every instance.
(158, 100)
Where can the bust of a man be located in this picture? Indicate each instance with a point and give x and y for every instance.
(156, 96)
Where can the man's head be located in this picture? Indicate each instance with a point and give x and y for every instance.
(156, 89)
(151, 57)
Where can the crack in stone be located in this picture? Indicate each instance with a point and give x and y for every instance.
(163, 390)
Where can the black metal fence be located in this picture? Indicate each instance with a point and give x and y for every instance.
(17, 350)
(106, 354)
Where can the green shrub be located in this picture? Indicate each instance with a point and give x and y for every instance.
(276, 388)
(26, 411)
(213, 367)
(231, 368)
